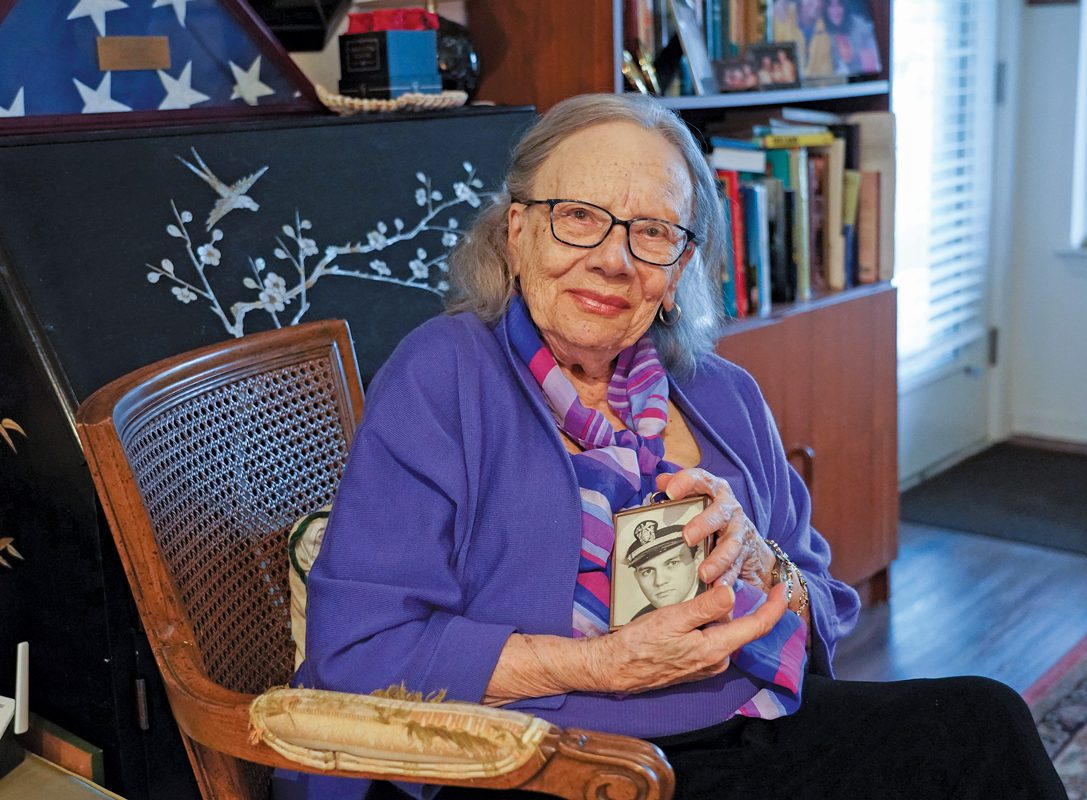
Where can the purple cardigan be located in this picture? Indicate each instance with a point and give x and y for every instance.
(458, 523)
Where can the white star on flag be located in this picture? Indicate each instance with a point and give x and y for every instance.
(179, 91)
(98, 101)
(17, 108)
(179, 8)
(248, 86)
(96, 10)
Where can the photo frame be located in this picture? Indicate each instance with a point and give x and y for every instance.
(853, 41)
(736, 74)
(652, 566)
(775, 64)
(693, 40)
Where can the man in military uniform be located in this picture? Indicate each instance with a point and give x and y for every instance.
(665, 567)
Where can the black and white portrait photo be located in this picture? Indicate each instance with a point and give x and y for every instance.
(652, 566)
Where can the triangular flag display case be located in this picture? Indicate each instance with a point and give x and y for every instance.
(94, 64)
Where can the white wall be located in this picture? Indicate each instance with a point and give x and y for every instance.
(1045, 331)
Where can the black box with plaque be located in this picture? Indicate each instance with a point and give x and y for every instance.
(387, 64)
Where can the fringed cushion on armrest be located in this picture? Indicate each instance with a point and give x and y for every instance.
(414, 740)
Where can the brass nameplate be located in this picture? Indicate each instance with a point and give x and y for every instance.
(133, 52)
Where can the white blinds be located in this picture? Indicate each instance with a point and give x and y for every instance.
(942, 96)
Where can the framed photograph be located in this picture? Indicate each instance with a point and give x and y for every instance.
(693, 40)
(652, 566)
(736, 74)
(804, 24)
(774, 64)
(854, 48)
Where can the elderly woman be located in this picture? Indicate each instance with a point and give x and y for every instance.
(470, 541)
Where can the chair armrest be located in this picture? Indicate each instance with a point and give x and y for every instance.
(444, 743)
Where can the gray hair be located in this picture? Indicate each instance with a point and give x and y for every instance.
(479, 272)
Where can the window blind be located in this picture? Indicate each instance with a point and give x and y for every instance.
(942, 95)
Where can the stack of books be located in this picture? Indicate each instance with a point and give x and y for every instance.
(808, 203)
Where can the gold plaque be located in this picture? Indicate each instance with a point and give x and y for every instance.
(133, 52)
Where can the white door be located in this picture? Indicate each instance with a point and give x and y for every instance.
(942, 93)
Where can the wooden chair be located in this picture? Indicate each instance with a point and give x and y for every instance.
(202, 461)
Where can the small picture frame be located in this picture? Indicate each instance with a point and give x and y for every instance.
(775, 64)
(652, 566)
(693, 40)
(736, 74)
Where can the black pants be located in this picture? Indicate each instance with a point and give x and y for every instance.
(921, 739)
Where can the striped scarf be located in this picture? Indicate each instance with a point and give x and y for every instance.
(618, 470)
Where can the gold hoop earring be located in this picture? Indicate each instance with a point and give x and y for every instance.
(669, 318)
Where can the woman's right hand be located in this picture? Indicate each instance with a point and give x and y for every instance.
(683, 642)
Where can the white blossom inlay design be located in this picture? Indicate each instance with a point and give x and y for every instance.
(285, 290)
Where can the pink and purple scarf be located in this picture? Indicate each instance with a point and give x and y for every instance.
(618, 470)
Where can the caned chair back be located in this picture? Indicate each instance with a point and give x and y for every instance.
(202, 462)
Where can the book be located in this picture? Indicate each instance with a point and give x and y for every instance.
(716, 31)
(784, 141)
(639, 28)
(790, 165)
(877, 154)
(798, 178)
(817, 219)
(757, 228)
(737, 26)
(731, 141)
(730, 180)
(832, 243)
(739, 159)
(850, 134)
(869, 226)
(728, 267)
(782, 270)
(788, 127)
(755, 22)
(851, 184)
(810, 116)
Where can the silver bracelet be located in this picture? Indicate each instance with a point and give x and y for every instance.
(785, 575)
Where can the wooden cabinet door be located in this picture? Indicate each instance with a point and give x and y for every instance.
(854, 433)
(538, 53)
(828, 374)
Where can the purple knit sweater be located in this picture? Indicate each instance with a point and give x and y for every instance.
(458, 523)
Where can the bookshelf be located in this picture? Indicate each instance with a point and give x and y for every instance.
(541, 51)
(827, 365)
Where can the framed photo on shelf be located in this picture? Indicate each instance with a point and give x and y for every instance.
(652, 566)
(804, 24)
(854, 49)
(693, 40)
(774, 64)
(736, 74)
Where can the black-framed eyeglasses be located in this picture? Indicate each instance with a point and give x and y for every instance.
(580, 224)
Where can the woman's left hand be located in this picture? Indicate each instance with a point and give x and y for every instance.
(739, 552)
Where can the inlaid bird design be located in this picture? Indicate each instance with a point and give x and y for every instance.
(230, 197)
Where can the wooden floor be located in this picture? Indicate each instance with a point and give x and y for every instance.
(963, 604)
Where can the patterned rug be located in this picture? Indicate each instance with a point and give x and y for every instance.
(1058, 701)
